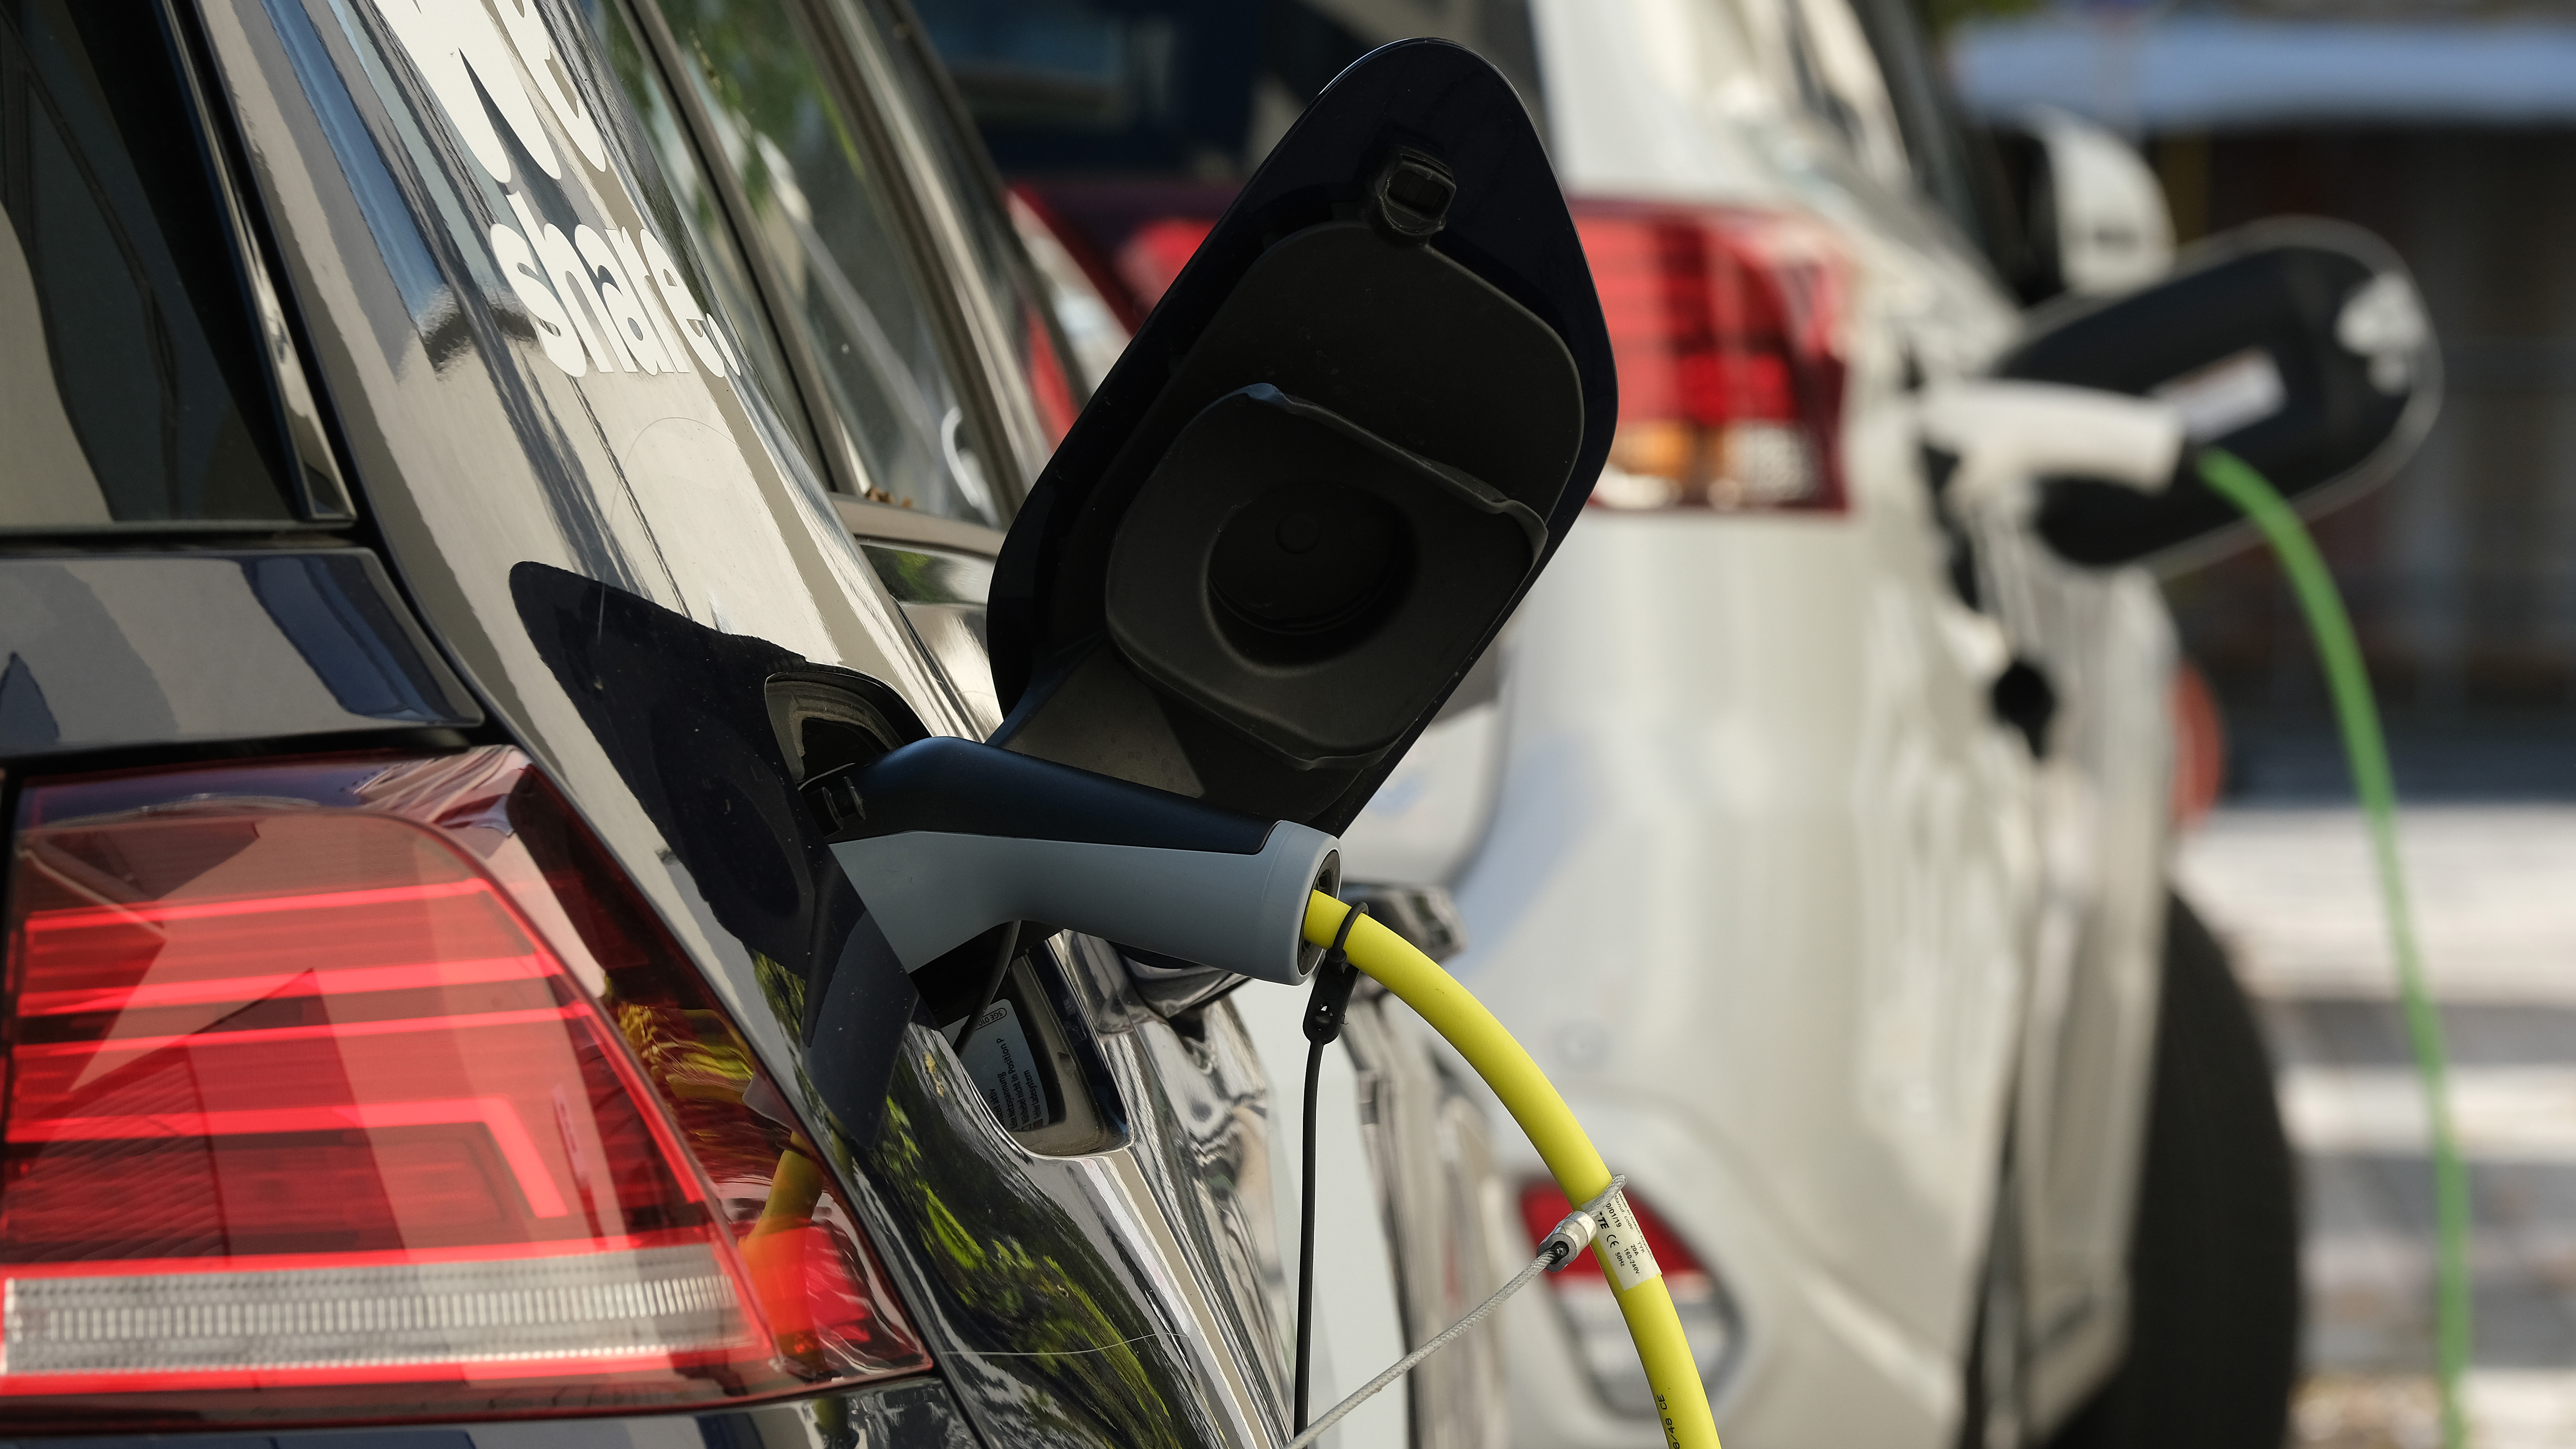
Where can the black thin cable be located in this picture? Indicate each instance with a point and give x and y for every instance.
(1306, 1235)
(1334, 978)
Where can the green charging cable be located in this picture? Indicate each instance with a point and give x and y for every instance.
(2366, 750)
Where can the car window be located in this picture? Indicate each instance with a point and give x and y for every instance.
(1819, 62)
(132, 382)
(1195, 88)
(695, 210)
(1840, 81)
(825, 210)
(1050, 385)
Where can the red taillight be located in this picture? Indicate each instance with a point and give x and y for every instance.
(1049, 386)
(368, 1089)
(1591, 1313)
(1725, 325)
(2200, 746)
(1544, 1205)
(1049, 370)
(1151, 258)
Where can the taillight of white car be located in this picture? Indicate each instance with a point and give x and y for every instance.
(367, 1088)
(1591, 1311)
(1726, 326)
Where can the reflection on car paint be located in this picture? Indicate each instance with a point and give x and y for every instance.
(1429, 1146)
(1205, 1150)
(1160, 1257)
(1035, 1297)
(683, 713)
(101, 651)
(381, 204)
(943, 594)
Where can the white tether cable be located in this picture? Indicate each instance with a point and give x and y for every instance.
(1570, 1238)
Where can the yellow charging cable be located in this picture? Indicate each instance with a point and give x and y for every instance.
(1681, 1401)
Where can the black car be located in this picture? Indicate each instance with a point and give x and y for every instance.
(477, 478)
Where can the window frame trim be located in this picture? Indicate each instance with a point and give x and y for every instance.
(852, 60)
(991, 331)
(845, 473)
(303, 423)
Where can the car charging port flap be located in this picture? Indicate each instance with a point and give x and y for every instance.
(367, 1088)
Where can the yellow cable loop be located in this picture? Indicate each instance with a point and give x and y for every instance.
(1418, 981)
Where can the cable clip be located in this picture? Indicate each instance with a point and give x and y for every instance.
(1334, 980)
(1576, 1231)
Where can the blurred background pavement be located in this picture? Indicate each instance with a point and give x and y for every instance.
(2494, 887)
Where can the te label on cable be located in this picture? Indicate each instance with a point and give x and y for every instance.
(996, 1053)
(1623, 1245)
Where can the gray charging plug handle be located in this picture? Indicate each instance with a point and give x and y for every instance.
(932, 892)
(957, 838)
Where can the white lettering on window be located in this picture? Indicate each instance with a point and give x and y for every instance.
(528, 280)
(537, 50)
(447, 39)
(624, 310)
(569, 275)
(675, 356)
(704, 339)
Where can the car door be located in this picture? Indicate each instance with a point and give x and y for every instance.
(1752, 769)
(2104, 641)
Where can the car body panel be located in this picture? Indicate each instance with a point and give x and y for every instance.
(1819, 1362)
(109, 650)
(678, 506)
(1431, 1153)
(1784, 911)
(2107, 641)
(1070, 1310)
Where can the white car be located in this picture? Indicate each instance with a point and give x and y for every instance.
(1825, 859)
(1813, 829)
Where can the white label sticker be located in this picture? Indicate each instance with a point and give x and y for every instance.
(1622, 1244)
(996, 1053)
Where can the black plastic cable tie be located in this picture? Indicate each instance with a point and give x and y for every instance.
(1335, 978)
